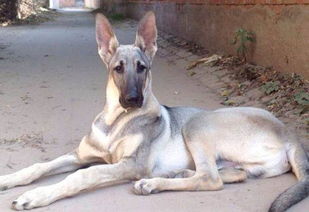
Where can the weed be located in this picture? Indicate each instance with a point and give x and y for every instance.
(302, 98)
(242, 37)
(270, 87)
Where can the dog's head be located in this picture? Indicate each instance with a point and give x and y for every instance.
(128, 65)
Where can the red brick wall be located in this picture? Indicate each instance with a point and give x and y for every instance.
(230, 2)
(66, 3)
(281, 26)
(276, 5)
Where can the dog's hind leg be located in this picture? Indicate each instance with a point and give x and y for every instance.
(186, 180)
(206, 176)
(300, 165)
(184, 173)
(228, 174)
(232, 175)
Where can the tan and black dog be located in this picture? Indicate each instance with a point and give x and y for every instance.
(163, 148)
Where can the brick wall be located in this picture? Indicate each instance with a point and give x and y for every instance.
(229, 2)
(66, 3)
(281, 26)
(275, 5)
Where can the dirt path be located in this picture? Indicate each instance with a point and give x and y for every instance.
(51, 87)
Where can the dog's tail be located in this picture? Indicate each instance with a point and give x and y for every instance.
(299, 162)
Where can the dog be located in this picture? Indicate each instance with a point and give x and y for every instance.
(163, 148)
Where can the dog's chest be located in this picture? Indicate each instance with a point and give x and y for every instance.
(102, 139)
(110, 145)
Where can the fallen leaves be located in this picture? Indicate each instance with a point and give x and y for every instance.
(246, 84)
(285, 95)
(225, 93)
(211, 61)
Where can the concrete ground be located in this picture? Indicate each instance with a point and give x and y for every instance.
(51, 87)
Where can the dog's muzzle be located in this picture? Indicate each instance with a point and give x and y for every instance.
(131, 101)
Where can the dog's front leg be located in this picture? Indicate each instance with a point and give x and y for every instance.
(83, 179)
(65, 163)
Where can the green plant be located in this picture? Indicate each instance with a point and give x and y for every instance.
(270, 87)
(242, 37)
(306, 121)
(302, 98)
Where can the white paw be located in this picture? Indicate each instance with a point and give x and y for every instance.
(6, 182)
(32, 199)
(145, 187)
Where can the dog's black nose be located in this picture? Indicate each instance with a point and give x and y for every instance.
(131, 98)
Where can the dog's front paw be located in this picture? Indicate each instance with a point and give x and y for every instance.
(6, 182)
(145, 187)
(32, 199)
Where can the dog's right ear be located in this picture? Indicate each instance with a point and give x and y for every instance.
(106, 39)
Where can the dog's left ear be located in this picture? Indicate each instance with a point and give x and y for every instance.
(146, 36)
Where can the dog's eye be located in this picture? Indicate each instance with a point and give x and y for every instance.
(140, 67)
(119, 69)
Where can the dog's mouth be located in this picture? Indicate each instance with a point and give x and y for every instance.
(136, 103)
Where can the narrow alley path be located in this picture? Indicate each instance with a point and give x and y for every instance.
(52, 85)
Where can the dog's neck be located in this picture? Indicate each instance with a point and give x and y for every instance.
(112, 108)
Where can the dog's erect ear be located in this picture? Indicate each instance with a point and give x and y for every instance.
(146, 36)
(106, 39)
